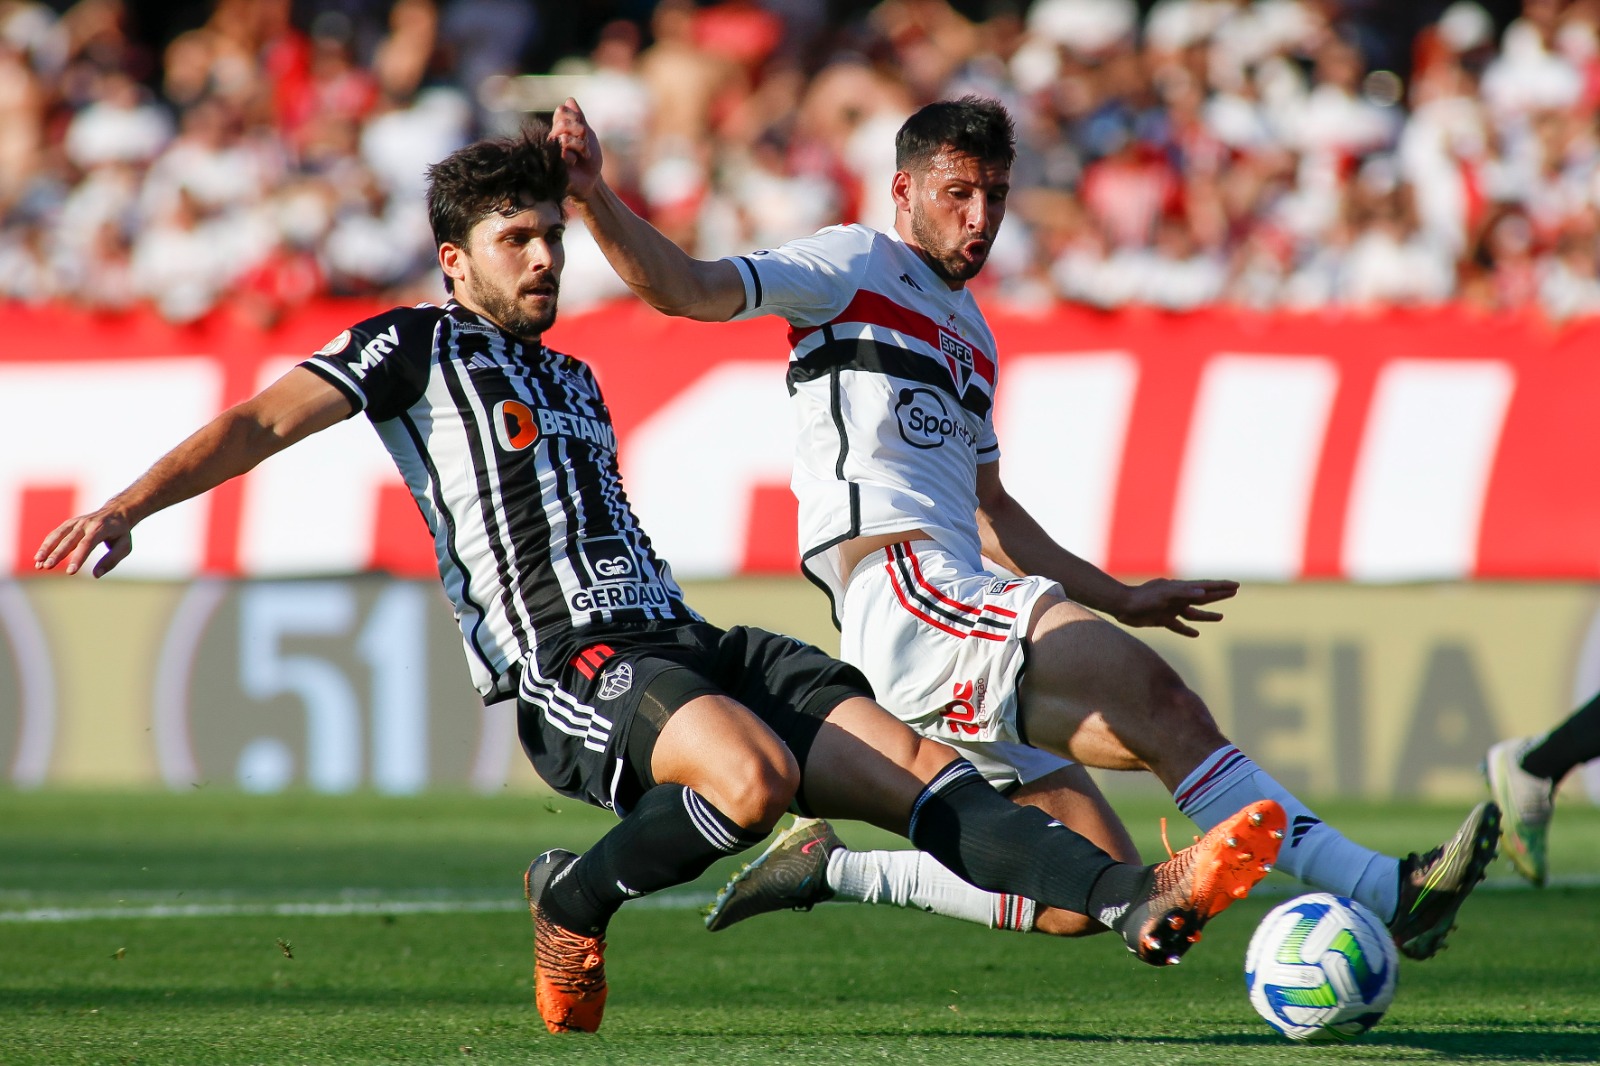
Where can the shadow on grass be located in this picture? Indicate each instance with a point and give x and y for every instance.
(1576, 1043)
(1579, 1043)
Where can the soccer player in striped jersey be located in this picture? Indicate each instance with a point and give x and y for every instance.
(906, 525)
(698, 738)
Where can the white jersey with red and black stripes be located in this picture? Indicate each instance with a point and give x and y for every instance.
(510, 454)
(892, 373)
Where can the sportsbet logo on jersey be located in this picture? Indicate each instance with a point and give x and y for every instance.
(925, 421)
(516, 426)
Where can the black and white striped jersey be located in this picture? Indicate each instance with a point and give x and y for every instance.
(509, 451)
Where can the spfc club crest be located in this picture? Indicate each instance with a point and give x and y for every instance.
(958, 357)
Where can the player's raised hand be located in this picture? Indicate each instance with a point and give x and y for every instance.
(1173, 604)
(75, 538)
(580, 148)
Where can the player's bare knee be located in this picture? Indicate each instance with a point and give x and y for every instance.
(1182, 726)
(927, 757)
(757, 790)
(1178, 707)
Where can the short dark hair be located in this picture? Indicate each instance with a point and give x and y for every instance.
(502, 175)
(973, 125)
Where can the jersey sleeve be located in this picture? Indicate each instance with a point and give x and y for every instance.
(381, 364)
(807, 281)
(988, 442)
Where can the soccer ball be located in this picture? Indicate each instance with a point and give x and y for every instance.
(1321, 968)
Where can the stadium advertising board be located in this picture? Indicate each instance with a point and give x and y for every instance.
(336, 684)
(27, 691)
(286, 630)
(1405, 446)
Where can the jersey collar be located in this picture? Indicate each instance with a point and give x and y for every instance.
(466, 314)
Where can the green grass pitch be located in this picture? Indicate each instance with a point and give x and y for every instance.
(221, 929)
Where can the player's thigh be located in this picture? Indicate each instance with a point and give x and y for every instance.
(1070, 796)
(867, 764)
(721, 749)
(1101, 696)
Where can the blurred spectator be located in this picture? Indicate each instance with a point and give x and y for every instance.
(180, 262)
(214, 162)
(120, 126)
(1389, 260)
(27, 273)
(102, 278)
(22, 104)
(1261, 153)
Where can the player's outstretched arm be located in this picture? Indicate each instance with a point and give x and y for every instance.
(1014, 539)
(291, 409)
(658, 271)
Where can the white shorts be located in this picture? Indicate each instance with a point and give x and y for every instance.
(944, 647)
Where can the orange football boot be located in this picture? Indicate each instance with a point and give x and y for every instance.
(569, 969)
(1201, 881)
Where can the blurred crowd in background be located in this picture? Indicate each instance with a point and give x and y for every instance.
(1275, 155)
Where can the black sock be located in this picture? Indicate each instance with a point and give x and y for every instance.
(1114, 892)
(990, 842)
(1575, 741)
(670, 838)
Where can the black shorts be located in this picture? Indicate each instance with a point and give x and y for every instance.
(589, 720)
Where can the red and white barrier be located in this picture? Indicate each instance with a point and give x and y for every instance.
(1397, 447)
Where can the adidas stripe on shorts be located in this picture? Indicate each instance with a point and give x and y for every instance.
(590, 710)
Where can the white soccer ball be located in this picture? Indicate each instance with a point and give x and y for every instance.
(1321, 968)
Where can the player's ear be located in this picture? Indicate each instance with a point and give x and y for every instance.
(900, 189)
(452, 260)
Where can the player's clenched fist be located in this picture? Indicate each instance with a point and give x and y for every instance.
(580, 148)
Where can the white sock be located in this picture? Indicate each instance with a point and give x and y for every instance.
(1312, 851)
(915, 879)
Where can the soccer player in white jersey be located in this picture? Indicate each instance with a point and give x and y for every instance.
(906, 525)
(698, 738)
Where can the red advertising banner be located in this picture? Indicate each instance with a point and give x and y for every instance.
(1403, 446)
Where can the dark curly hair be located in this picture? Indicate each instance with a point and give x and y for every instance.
(502, 175)
(972, 125)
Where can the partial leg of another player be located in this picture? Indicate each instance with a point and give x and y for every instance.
(1523, 775)
(808, 864)
(1096, 694)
